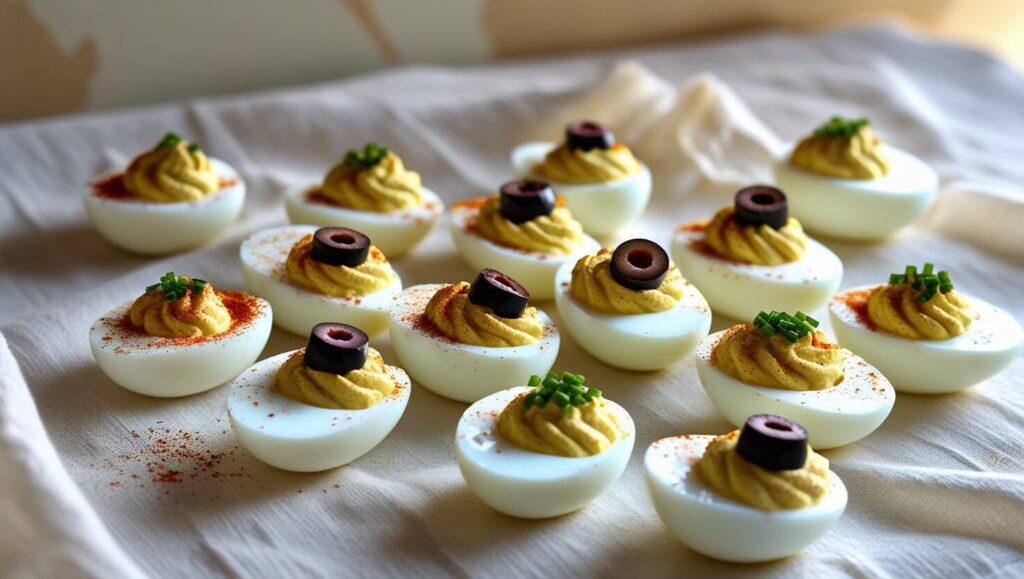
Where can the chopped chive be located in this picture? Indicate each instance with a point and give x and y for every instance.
(839, 127)
(192, 148)
(927, 270)
(792, 327)
(565, 391)
(371, 154)
(927, 282)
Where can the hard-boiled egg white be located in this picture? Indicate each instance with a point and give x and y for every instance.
(833, 417)
(297, 310)
(859, 209)
(158, 228)
(461, 371)
(992, 342)
(171, 367)
(741, 290)
(602, 208)
(719, 527)
(528, 484)
(639, 341)
(295, 436)
(396, 233)
(534, 270)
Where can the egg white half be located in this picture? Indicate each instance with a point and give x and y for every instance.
(396, 233)
(534, 270)
(719, 527)
(634, 342)
(295, 436)
(297, 310)
(859, 209)
(992, 342)
(461, 371)
(171, 367)
(528, 484)
(159, 228)
(741, 290)
(833, 417)
(602, 208)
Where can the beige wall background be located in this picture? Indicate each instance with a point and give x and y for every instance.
(62, 56)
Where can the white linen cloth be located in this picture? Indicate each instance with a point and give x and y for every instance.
(938, 490)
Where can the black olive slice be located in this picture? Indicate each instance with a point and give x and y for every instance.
(587, 135)
(499, 292)
(336, 348)
(773, 442)
(526, 199)
(761, 204)
(340, 246)
(639, 264)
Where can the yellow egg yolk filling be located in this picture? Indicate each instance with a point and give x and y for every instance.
(171, 174)
(576, 166)
(578, 431)
(593, 286)
(371, 276)
(191, 315)
(755, 244)
(451, 312)
(724, 471)
(355, 390)
(810, 363)
(386, 186)
(896, 310)
(557, 233)
(860, 156)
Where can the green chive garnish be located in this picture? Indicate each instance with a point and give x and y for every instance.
(927, 282)
(192, 148)
(169, 140)
(174, 287)
(371, 154)
(792, 327)
(565, 391)
(838, 127)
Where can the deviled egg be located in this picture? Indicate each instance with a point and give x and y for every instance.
(543, 450)
(524, 231)
(780, 364)
(170, 198)
(310, 275)
(319, 407)
(925, 336)
(370, 191)
(754, 248)
(180, 337)
(465, 341)
(602, 183)
(845, 183)
(747, 496)
(630, 307)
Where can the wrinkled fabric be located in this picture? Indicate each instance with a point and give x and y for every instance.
(937, 490)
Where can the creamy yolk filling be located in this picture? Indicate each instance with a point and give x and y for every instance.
(756, 244)
(896, 310)
(577, 431)
(593, 286)
(726, 472)
(557, 233)
(576, 166)
(171, 174)
(810, 363)
(355, 390)
(370, 276)
(451, 312)
(191, 315)
(860, 156)
(386, 186)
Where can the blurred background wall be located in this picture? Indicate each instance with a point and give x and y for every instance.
(61, 56)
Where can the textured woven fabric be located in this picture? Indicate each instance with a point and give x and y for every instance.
(938, 490)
